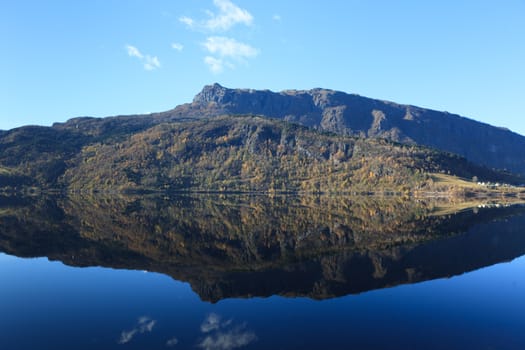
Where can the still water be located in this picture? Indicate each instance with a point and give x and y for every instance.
(259, 273)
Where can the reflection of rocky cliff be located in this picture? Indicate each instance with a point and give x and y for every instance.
(242, 246)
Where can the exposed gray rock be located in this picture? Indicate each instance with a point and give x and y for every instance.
(351, 114)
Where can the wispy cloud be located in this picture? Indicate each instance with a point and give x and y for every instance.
(177, 46)
(276, 17)
(229, 15)
(187, 21)
(215, 65)
(149, 62)
(133, 51)
(226, 50)
(144, 325)
(222, 51)
(229, 47)
(226, 16)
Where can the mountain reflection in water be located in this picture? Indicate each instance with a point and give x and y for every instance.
(243, 246)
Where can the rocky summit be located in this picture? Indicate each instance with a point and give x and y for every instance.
(355, 115)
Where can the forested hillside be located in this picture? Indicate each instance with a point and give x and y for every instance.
(257, 154)
(225, 153)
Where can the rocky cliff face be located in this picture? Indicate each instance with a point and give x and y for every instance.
(351, 114)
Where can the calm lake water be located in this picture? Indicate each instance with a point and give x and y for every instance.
(248, 272)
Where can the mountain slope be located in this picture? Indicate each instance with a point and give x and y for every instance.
(351, 114)
(227, 153)
(258, 154)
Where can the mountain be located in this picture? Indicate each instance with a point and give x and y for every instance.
(248, 140)
(350, 114)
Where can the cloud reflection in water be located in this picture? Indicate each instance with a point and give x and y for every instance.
(144, 325)
(220, 336)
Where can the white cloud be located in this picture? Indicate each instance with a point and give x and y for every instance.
(148, 62)
(224, 50)
(144, 325)
(187, 21)
(216, 65)
(177, 46)
(229, 47)
(276, 17)
(151, 62)
(133, 51)
(229, 15)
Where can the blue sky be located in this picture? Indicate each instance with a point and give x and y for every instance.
(61, 58)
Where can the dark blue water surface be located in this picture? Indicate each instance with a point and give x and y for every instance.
(291, 275)
(47, 305)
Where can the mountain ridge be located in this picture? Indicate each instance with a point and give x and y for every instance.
(257, 140)
(356, 115)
